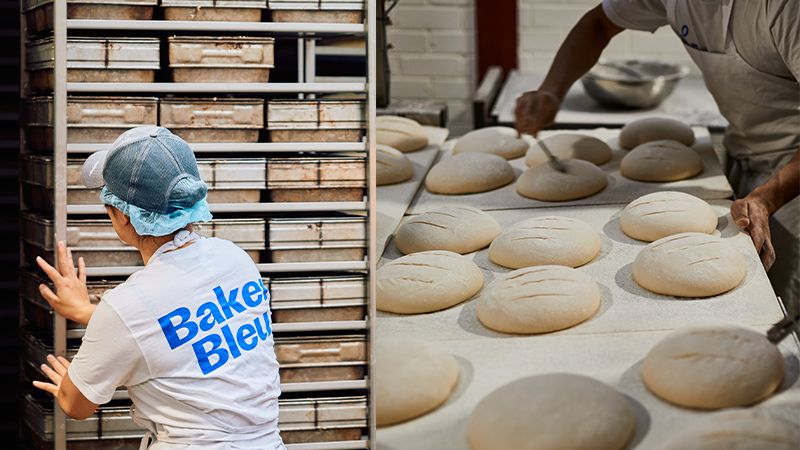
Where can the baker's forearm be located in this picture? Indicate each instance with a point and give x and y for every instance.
(580, 51)
(781, 188)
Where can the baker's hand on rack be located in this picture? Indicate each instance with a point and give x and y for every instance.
(56, 374)
(71, 298)
(534, 111)
(752, 215)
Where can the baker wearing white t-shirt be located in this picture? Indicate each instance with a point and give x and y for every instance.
(749, 54)
(190, 334)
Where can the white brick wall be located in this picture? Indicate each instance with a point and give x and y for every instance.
(433, 58)
(434, 48)
(543, 25)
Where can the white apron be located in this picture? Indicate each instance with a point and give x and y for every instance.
(764, 132)
(762, 109)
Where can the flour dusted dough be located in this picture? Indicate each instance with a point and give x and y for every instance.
(543, 182)
(459, 229)
(468, 173)
(661, 161)
(500, 141)
(558, 411)
(689, 265)
(538, 300)
(403, 134)
(551, 240)
(712, 365)
(412, 377)
(737, 430)
(391, 166)
(426, 281)
(571, 146)
(661, 214)
(655, 129)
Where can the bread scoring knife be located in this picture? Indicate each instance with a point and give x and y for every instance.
(783, 328)
(553, 160)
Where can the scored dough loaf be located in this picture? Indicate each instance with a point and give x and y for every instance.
(555, 411)
(543, 182)
(689, 265)
(570, 146)
(400, 133)
(426, 281)
(543, 241)
(412, 378)
(469, 173)
(391, 166)
(500, 141)
(661, 161)
(661, 214)
(459, 229)
(655, 129)
(713, 364)
(538, 300)
(737, 430)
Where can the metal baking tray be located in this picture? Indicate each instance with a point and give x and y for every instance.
(214, 10)
(321, 358)
(238, 180)
(323, 299)
(90, 120)
(318, 239)
(96, 241)
(93, 59)
(37, 310)
(213, 120)
(317, 179)
(203, 59)
(322, 419)
(39, 13)
(316, 120)
(317, 11)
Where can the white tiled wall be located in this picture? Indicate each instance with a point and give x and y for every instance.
(433, 58)
(434, 48)
(544, 24)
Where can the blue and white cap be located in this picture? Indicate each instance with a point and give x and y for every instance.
(151, 176)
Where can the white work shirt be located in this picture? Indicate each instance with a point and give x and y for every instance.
(190, 337)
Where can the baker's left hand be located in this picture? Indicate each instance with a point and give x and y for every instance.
(752, 215)
(56, 374)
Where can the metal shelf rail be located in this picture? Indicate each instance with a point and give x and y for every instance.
(305, 33)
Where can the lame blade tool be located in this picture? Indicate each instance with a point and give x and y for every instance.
(557, 165)
(783, 328)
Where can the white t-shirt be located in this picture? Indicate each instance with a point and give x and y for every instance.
(190, 337)
(765, 33)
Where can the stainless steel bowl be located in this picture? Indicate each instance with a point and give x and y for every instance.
(632, 83)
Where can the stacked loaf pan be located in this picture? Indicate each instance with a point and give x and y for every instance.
(287, 177)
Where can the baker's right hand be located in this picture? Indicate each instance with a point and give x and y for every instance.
(71, 298)
(535, 110)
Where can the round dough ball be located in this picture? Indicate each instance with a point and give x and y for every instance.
(391, 166)
(661, 214)
(459, 229)
(500, 141)
(737, 430)
(427, 281)
(661, 161)
(412, 378)
(559, 411)
(570, 146)
(689, 265)
(538, 300)
(712, 365)
(543, 182)
(403, 134)
(468, 173)
(655, 129)
(542, 241)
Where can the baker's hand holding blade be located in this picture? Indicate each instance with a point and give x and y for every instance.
(536, 110)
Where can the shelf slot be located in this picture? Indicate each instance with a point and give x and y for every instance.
(247, 147)
(218, 87)
(181, 25)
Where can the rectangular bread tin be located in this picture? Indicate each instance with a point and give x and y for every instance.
(318, 239)
(213, 120)
(199, 59)
(316, 120)
(317, 179)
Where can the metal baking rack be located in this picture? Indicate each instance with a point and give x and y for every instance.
(358, 392)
